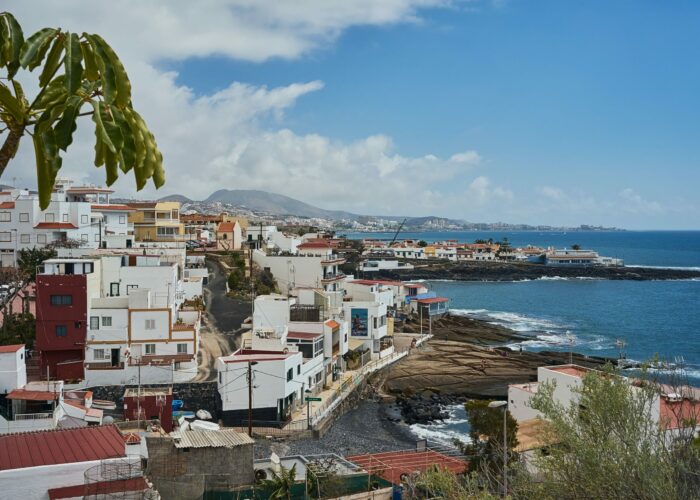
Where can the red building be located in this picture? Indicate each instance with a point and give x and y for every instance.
(150, 404)
(61, 324)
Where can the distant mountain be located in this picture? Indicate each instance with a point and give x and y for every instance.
(276, 204)
(176, 197)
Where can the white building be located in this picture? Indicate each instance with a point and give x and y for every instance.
(370, 266)
(13, 370)
(316, 266)
(81, 214)
(368, 327)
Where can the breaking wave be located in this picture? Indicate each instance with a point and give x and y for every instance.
(445, 432)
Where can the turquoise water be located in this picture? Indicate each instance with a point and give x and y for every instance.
(650, 317)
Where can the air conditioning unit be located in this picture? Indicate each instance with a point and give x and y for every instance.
(674, 397)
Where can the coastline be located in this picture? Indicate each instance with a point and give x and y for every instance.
(521, 271)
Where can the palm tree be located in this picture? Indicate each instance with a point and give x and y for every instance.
(280, 487)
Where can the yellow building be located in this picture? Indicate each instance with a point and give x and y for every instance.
(157, 221)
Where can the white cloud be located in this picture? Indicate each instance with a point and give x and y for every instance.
(633, 203)
(482, 191)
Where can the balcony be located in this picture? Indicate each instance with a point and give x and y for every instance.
(332, 277)
(329, 261)
(97, 365)
(162, 360)
(306, 313)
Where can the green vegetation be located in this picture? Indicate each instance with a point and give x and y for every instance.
(422, 243)
(18, 328)
(77, 72)
(281, 485)
(29, 259)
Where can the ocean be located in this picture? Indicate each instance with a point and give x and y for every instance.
(651, 317)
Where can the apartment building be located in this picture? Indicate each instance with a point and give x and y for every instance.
(81, 214)
(157, 221)
(111, 318)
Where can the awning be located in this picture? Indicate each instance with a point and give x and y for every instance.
(355, 343)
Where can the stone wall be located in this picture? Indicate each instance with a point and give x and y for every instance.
(196, 395)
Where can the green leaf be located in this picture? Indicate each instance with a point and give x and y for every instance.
(52, 62)
(111, 167)
(91, 71)
(109, 82)
(100, 129)
(127, 158)
(67, 124)
(11, 104)
(72, 62)
(121, 79)
(99, 150)
(53, 91)
(11, 41)
(35, 48)
(48, 164)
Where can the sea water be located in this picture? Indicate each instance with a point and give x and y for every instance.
(636, 319)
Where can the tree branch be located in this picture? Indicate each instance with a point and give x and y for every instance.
(10, 146)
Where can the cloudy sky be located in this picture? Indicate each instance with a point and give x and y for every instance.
(541, 111)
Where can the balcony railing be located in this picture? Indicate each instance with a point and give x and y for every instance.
(104, 366)
(332, 277)
(305, 313)
(32, 416)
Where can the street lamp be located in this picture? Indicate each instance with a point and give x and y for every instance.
(504, 404)
(308, 408)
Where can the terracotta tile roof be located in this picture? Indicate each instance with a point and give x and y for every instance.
(10, 348)
(120, 208)
(100, 489)
(432, 300)
(25, 395)
(60, 446)
(333, 323)
(55, 225)
(303, 335)
(226, 227)
(315, 244)
(7, 204)
(392, 465)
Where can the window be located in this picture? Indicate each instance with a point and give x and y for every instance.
(150, 325)
(61, 300)
(174, 214)
(61, 331)
(98, 354)
(24, 238)
(150, 348)
(166, 231)
(290, 374)
(77, 325)
(6, 236)
(5, 216)
(94, 322)
(49, 217)
(374, 322)
(41, 238)
(106, 320)
(84, 219)
(122, 219)
(130, 287)
(97, 237)
(221, 378)
(182, 348)
(84, 238)
(298, 369)
(65, 217)
(24, 217)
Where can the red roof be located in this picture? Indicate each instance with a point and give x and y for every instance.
(678, 414)
(10, 348)
(245, 355)
(132, 438)
(24, 395)
(226, 227)
(315, 244)
(303, 335)
(432, 300)
(392, 465)
(120, 208)
(101, 488)
(333, 323)
(7, 204)
(55, 225)
(60, 446)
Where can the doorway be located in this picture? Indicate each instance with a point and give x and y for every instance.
(115, 357)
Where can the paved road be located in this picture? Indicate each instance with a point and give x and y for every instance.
(221, 325)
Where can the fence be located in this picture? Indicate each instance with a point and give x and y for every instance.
(267, 428)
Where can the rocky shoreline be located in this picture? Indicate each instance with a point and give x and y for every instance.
(519, 271)
(466, 359)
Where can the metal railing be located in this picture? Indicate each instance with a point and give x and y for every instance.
(32, 416)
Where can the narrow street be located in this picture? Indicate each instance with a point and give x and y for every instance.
(221, 324)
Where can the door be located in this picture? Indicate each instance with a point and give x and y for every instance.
(114, 289)
(70, 268)
(115, 357)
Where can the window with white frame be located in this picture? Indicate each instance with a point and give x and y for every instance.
(24, 217)
(150, 349)
(84, 219)
(5, 236)
(65, 218)
(84, 238)
(122, 219)
(5, 216)
(97, 237)
(41, 238)
(24, 238)
(106, 320)
(98, 354)
(182, 348)
(49, 217)
(94, 322)
(150, 324)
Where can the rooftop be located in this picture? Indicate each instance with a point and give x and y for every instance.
(120, 208)
(432, 300)
(303, 335)
(55, 225)
(245, 355)
(227, 438)
(10, 348)
(392, 465)
(573, 370)
(24, 395)
(60, 446)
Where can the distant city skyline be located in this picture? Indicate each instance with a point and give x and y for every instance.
(521, 111)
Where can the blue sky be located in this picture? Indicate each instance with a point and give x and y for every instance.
(571, 112)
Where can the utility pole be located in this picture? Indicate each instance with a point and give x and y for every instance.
(250, 399)
(100, 238)
(138, 396)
